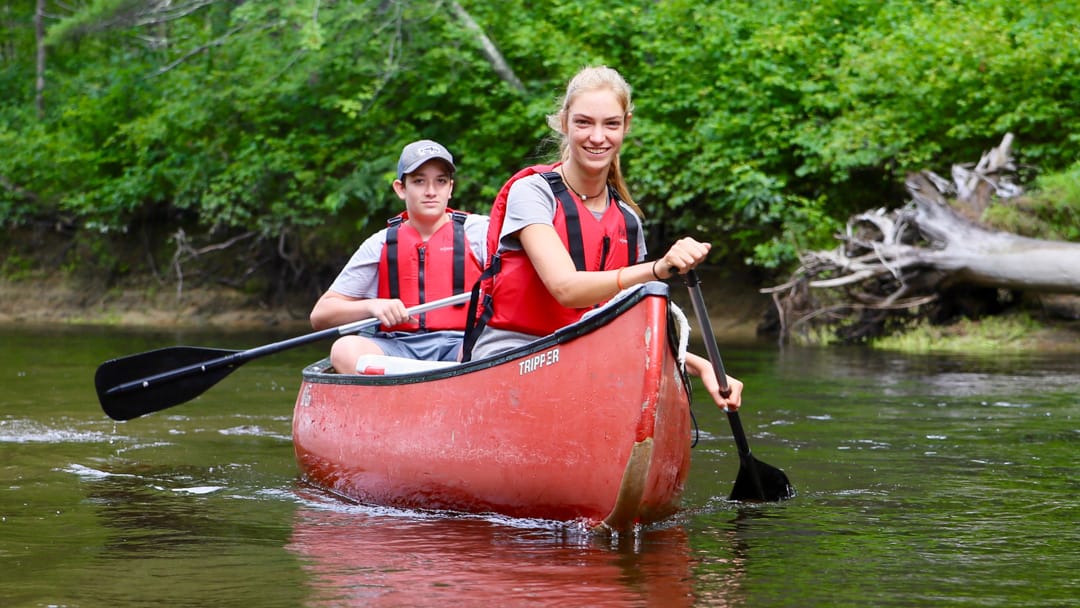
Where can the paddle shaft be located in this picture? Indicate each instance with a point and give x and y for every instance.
(698, 302)
(756, 480)
(238, 358)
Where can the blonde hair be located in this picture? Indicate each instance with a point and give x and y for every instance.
(594, 78)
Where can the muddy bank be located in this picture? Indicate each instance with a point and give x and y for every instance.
(53, 302)
(63, 302)
(735, 311)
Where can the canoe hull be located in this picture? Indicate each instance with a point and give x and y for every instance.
(591, 426)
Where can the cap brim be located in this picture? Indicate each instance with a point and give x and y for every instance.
(419, 163)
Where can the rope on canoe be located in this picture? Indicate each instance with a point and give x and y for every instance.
(683, 329)
(684, 333)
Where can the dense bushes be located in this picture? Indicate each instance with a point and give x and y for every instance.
(758, 126)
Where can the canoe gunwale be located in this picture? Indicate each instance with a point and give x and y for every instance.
(316, 372)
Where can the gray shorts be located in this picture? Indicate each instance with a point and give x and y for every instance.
(492, 341)
(425, 346)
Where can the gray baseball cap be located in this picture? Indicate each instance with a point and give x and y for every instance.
(419, 152)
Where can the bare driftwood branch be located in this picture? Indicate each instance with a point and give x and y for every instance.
(219, 41)
(186, 252)
(909, 257)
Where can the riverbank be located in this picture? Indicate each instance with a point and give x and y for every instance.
(67, 302)
(735, 315)
(1016, 332)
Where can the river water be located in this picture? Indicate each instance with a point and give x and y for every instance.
(922, 481)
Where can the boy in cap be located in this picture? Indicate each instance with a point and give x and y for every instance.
(409, 262)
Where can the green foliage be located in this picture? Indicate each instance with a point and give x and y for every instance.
(988, 335)
(98, 15)
(920, 84)
(16, 267)
(757, 126)
(805, 225)
(1050, 211)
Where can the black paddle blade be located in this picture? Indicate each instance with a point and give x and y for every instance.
(774, 485)
(148, 382)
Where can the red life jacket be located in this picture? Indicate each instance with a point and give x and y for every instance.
(415, 271)
(514, 297)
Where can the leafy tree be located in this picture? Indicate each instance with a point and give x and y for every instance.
(277, 125)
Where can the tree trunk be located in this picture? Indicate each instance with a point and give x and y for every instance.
(967, 253)
(908, 258)
(9, 28)
(39, 37)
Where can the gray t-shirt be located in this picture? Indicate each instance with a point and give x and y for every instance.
(529, 201)
(360, 276)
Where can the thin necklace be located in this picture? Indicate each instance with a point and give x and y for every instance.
(583, 197)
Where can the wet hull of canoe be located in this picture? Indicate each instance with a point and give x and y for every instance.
(590, 424)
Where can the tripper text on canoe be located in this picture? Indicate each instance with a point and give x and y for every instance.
(539, 360)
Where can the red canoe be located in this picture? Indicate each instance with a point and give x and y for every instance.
(591, 424)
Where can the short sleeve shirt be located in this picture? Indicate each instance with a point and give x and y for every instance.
(360, 276)
(531, 201)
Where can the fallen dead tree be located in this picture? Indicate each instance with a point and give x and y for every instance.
(928, 259)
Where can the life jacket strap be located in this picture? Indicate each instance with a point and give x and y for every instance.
(573, 220)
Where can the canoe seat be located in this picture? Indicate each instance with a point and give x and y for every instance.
(385, 365)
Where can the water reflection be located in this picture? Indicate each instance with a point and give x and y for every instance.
(890, 374)
(156, 510)
(923, 481)
(357, 556)
(176, 535)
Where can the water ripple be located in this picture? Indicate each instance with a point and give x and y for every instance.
(28, 431)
